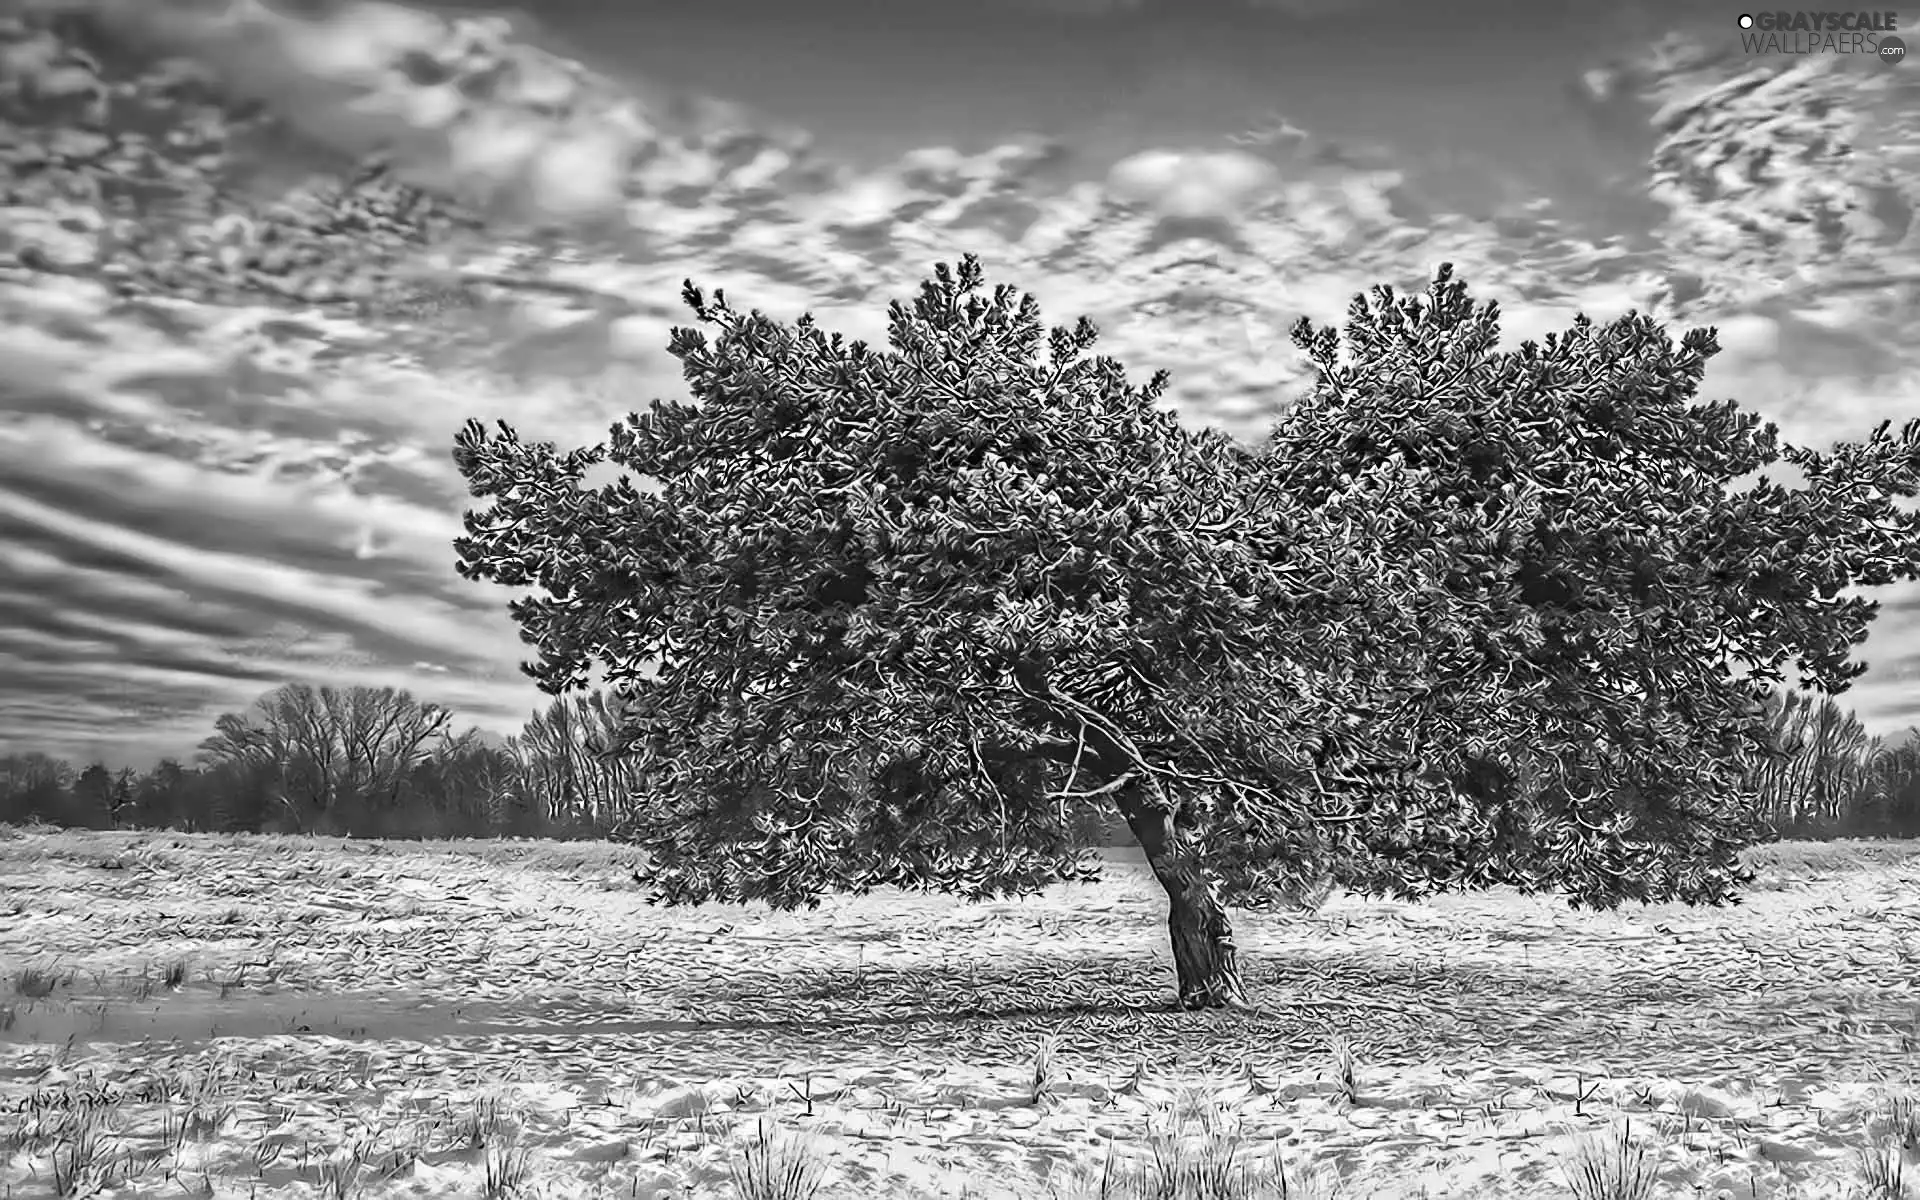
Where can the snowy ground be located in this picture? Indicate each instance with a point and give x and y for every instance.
(250, 1010)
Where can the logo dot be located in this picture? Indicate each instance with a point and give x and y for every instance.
(1892, 50)
(1746, 20)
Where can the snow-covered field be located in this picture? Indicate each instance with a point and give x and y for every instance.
(247, 1014)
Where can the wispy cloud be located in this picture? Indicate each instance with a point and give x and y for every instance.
(147, 593)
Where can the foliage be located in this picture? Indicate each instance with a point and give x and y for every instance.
(883, 617)
(889, 616)
(1657, 589)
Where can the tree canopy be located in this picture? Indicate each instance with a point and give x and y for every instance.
(1470, 616)
(1661, 582)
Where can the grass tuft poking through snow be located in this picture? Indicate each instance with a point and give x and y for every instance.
(1885, 1172)
(778, 1164)
(1611, 1164)
(508, 1166)
(1344, 1068)
(34, 983)
(1040, 1086)
(1196, 1150)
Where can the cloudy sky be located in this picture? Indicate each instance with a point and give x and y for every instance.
(199, 504)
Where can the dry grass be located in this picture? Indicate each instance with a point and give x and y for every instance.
(776, 1164)
(1612, 1165)
(239, 1048)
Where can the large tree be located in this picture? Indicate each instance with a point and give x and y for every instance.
(890, 617)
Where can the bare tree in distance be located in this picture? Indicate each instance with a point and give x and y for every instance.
(324, 748)
(570, 761)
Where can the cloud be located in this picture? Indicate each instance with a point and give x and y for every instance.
(1193, 186)
(146, 592)
(201, 501)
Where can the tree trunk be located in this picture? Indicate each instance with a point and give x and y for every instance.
(1205, 963)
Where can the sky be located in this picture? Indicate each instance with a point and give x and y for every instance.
(183, 528)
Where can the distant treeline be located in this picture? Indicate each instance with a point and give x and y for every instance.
(376, 762)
